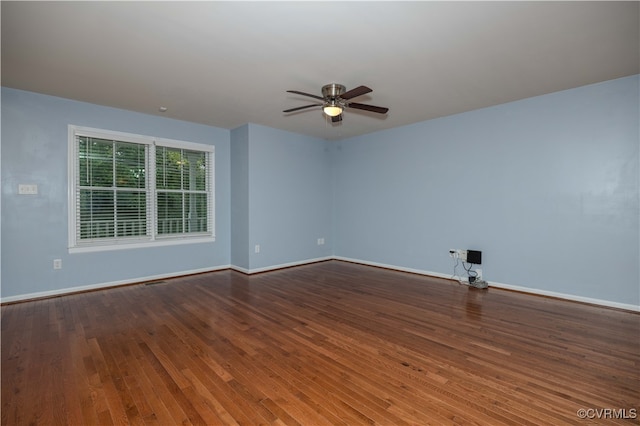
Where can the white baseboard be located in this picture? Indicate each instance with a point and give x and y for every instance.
(280, 266)
(394, 267)
(239, 269)
(533, 291)
(572, 297)
(90, 287)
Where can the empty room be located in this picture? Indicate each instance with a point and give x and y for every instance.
(320, 213)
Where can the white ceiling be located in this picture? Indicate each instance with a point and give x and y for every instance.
(229, 63)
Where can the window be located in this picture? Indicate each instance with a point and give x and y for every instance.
(135, 190)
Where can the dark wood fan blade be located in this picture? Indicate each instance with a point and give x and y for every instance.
(336, 119)
(302, 107)
(358, 91)
(372, 108)
(305, 94)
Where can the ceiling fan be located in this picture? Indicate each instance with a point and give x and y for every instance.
(335, 99)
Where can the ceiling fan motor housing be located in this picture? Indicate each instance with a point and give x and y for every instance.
(332, 91)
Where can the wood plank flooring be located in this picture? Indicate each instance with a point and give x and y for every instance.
(328, 343)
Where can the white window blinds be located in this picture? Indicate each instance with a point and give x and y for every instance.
(182, 191)
(112, 191)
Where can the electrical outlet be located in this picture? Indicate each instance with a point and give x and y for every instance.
(57, 263)
(458, 254)
(320, 241)
(256, 249)
(479, 272)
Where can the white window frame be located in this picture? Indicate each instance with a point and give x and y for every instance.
(152, 239)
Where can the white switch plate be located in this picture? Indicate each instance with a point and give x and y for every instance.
(27, 189)
(320, 241)
(57, 263)
(257, 248)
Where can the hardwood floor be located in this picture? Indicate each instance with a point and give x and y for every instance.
(328, 343)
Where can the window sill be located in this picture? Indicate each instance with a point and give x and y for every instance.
(140, 244)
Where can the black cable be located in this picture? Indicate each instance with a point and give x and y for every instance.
(469, 271)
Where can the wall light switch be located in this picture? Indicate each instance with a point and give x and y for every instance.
(27, 189)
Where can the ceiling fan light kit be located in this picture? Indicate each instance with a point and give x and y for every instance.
(335, 99)
(332, 110)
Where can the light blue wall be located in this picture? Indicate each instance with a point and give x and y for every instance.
(34, 227)
(290, 197)
(240, 197)
(546, 187)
